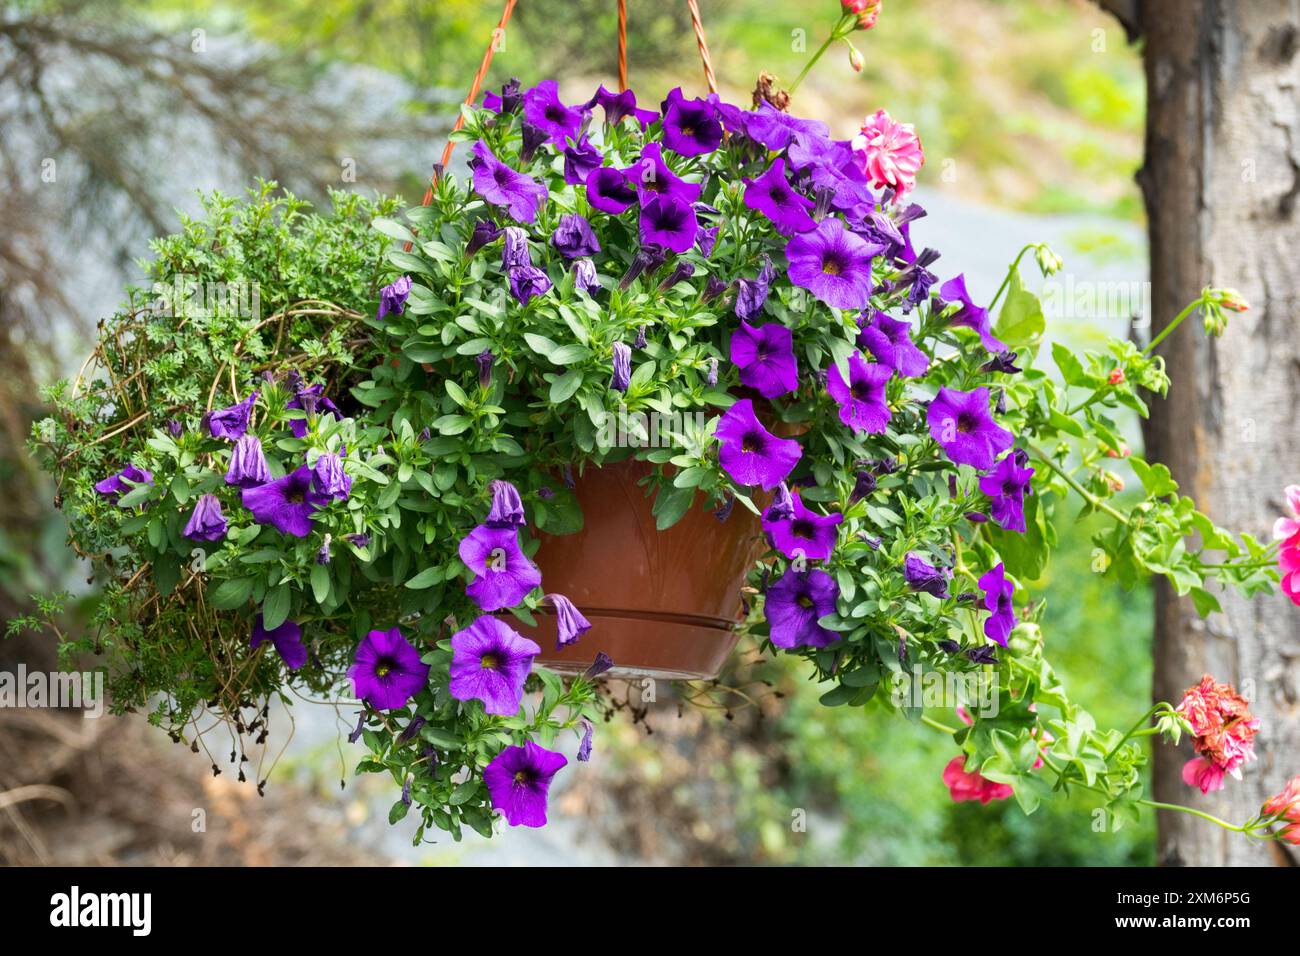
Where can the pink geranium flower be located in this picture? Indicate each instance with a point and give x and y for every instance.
(890, 152)
(1287, 530)
(1285, 807)
(970, 785)
(1223, 733)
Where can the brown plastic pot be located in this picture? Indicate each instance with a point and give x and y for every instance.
(661, 603)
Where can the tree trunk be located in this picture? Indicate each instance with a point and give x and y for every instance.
(1221, 180)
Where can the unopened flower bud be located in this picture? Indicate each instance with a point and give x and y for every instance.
(1116, 376)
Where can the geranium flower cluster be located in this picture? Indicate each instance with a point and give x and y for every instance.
(1223, 732)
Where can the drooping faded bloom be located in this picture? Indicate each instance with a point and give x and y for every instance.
(514, 248)
(924, 577)
(543, 109)
(751, 294)
(527, 282)
(519, 781)
(773, 196)
(890, 152)
(485, 231)
(599, 665)
(312, 400)
(507, 510)
(765, 357)
(749, 453)
(287, 640)
(573, 237)
(206, 523)
(570, 624)
(248, 466)
(287, 503)
(1006, 485)
(585, 278)
(803, 533)
(794, 604)
(1223, 733)
(970, 315)
(588, 731)
(114, 486)
(490, 662)
(622, 367)
(669, 222)
(890, 341)
(500, 185)
(387, 670)
(503, 575)
(960, 422)
(998, 592)
(330, 477)
(579, 160)
(833, 264)
(862, 398)
(690, 127)
(231, 423)
(392, 297)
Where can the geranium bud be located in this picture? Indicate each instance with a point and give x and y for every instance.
(1116, 376)
(1113, 481)
(855, 59)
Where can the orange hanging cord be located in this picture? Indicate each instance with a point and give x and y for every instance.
(622, 45)
(698, 25)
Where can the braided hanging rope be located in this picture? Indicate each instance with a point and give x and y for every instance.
(698, 26)
(622, 45)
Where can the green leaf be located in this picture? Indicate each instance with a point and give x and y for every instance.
(562, 388)
(320, 583)
(425, 579)
(231, 594)
(1021, 321)
(275, 609)
(393, 230)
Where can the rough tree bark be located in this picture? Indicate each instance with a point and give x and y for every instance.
(1221, 181)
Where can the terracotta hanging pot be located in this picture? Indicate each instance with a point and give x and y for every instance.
(661, 603)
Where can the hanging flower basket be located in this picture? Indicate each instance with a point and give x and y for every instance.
(556, 418)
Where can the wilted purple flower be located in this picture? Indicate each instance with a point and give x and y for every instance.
(782, 505)
(765, 357)
(287, 640)
(485, 231)
(982, 655)
(776, 129)
(508, 101)
(206, 523)
(411, 729)
(514, 248)
(998, 592)
(648, 259)
(573, 237)
(669, 222)
(546, 493)
(500, 185)
(706, 240)
(969, 315)
(923, 576)
(531, 139)
(584, 276)
(357, 540)
(833, 264)
(640, 342)
(681, 272)
(114, 486)
(723, 511)
(864, 485)
(490, 662)
(528, 281)
(484, 361)
(310, 399)
(650, 175)
(622, 367)
(803, 533)
(862, 397)
(503, 576)
(588, 731)
(174, 428)
(609, 190)
(961, 424)
(579, 160)
(392, 297)
(286, 504)
(751, 294)
(543, 109)
(330, 478)
(356, 731)
(976, 517)
(690, 127)
(749, 453)
(1004, 362)
(248, 466)
(713, 288)
(619, 106)
(323, 552)
(232, 422)
(772, 195)
(890, 341)
(507, 509)
(569, 622)
(386, 670)
(1006, 485)
(600, 665)
(794, 604)
(711, 378)
(566, 472)
(519, 780)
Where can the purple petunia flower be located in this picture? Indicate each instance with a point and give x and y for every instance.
(569, 621)
(573, 237)
(287, 640)
(622, 367)
(890, 341)
(503, 575)
(619, 106)
(514, 248)
(681, 272)
(765, 357)
(863, 485)
(690, 127)
(833, 264)
(392, 297)
(669, 222)
(543, 109)
(794, 604)
(803, 533)
(650, 175)
(923, 576)
(174, 428)
(206, 523)
(600, 665)
(782, 506)
(584, 276)
(509, 99)
(1004, 362)
(507, 509)
(232, 422)
(490, 662)
(114, 486)
(961, 423)
(500, 185)
(531, 139)
(310, 399)
(485, 231)
(248, 466)
(519, 780)
(706, 240)
(579, 160)
(528, 281)
(751, 294)
(969, 315)
(330, 477)
(749, 453)
(609, 190)
(998, 592)
(485, 360)
(711, 378)
(776, 129)
(588, 731)
(862, 397)
(386, 670)
(772, 195)
(1006, 485)
(286, 504)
